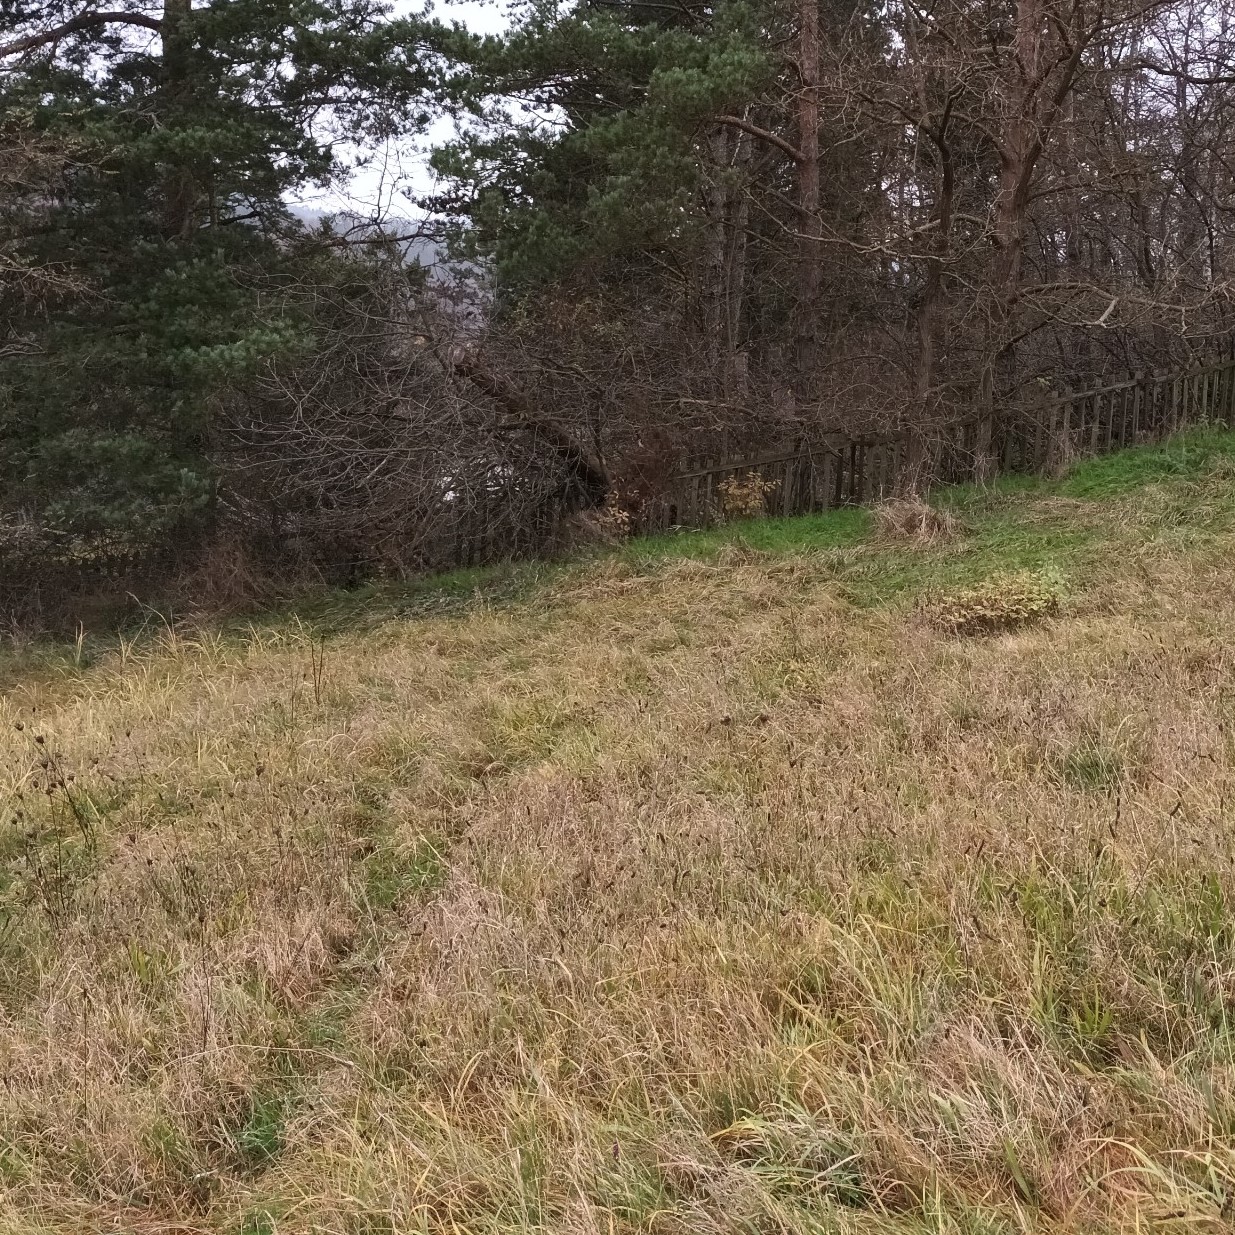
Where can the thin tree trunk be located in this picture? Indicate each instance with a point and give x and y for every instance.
(716, 204)
(1033, 110)
(932, 314)
(737, 389)
(180, 191)
(810, 258)
(591, 481)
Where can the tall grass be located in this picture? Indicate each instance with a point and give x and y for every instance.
(718, 891)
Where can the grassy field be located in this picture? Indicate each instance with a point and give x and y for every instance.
(717, 884)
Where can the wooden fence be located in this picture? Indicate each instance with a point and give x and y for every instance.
(841, 471)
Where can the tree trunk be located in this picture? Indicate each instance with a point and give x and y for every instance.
(714, 295)
(180, 191)
(588, 476)
(810, 258)
(736, 386)
(1033, 108)
(932, 317)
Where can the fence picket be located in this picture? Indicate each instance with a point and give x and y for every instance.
(842, 471)
(825, 482)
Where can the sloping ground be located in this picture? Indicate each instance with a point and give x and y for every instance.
(716, 885)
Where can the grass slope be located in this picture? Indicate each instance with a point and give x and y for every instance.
(703, 887)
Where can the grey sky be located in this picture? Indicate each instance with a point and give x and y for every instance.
(389, 179)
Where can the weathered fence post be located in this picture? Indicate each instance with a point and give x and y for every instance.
(1065, 434)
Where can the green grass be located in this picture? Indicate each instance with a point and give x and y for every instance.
(828, 530)
(1184, 459)
(259, 1138)
(1017, 523)
(391, 874)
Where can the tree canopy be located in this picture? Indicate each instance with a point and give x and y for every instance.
(679, 226)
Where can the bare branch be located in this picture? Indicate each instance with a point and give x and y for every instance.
(764, 135)
(83, 21)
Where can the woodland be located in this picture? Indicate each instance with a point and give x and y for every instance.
(662, 228)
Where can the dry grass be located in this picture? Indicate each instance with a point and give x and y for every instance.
(695, 901)
(914, 519)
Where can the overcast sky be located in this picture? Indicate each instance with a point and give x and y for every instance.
(391, 178)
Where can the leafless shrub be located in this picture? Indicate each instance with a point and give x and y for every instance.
(398, 447)
(609, 524)
(228, 577)
(50, 578)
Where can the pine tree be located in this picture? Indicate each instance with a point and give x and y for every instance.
(146, 236)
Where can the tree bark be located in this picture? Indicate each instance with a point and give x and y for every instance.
(83, 21)
(715, 299)
(589, 476)
(736, 388)
(180, 190)
(1033, 109)
(810, 257)
(932, 313)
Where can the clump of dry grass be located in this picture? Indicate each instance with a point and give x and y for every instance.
(227, 578)
(913, 519)
(691, 902)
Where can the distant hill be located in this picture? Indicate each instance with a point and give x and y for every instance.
(420, 246)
